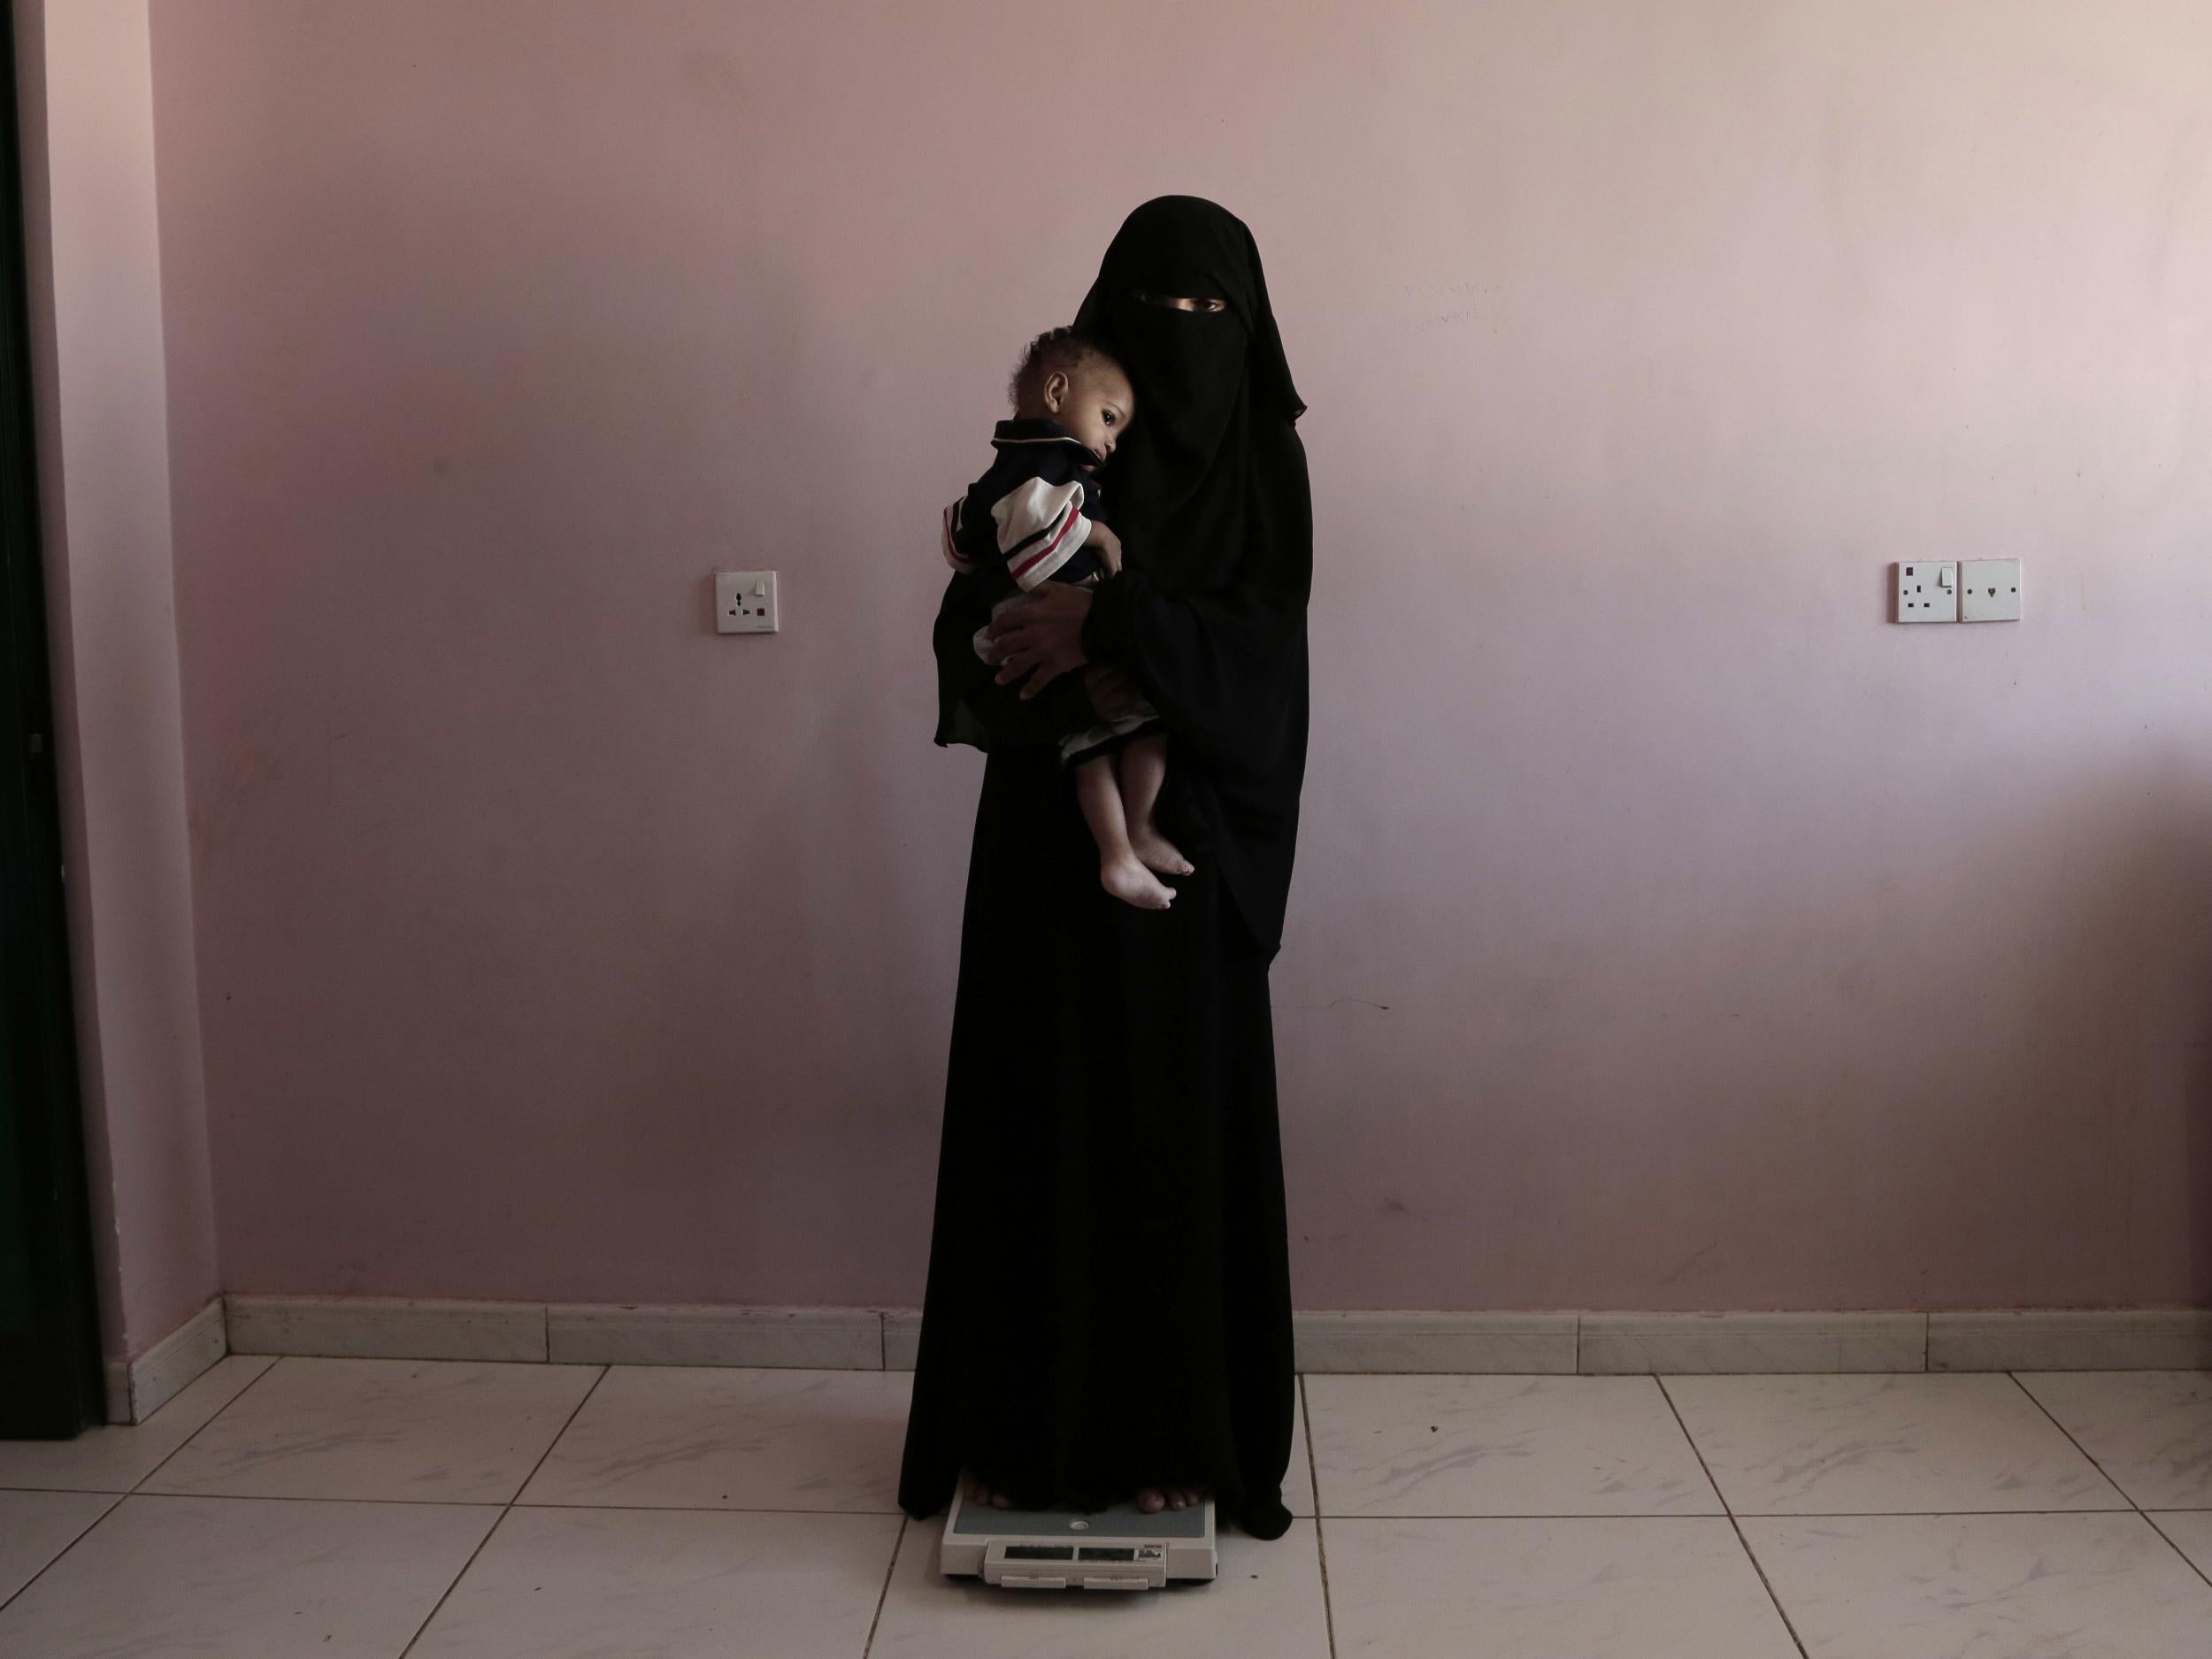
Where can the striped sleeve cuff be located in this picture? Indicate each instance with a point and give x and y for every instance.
(1036, 566)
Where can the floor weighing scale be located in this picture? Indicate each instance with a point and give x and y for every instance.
(1117, 1549)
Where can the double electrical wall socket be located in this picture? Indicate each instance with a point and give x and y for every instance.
(745, 601)
(1989, 590)
(1927, 590)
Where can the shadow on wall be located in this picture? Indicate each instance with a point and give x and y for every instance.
(1807, 1111)
(2113, 1053)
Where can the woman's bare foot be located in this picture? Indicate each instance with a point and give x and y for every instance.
(1132, 884)
(976, 1491)
(1152, 1500)
(1155, 852)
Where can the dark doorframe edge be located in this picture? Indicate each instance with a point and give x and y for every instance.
(50, 1377)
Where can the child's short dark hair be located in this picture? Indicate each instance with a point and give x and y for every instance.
(1055, 351)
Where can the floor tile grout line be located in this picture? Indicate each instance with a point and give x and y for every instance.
(1765, 1583)
(1320, 1535)
(1690, 1440)
(1734, 1525)
(715, 1509)
(2171, 1544)
(1748, 1515)
(505, 1510)
(886, 1513)
(567, 1423)
(1759, 1516)
(2102, 1472)
(2112, 1480)
(24, 1588)
(450, 1504)
(252, 1382)
(898, 1546)
(1423, 1515)
(453, 1584)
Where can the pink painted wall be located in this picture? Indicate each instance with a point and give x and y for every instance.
(103, 435)
(1671, 930)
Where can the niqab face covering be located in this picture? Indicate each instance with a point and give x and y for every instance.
(1183, 479)
(1185, 247)
(1188, 370)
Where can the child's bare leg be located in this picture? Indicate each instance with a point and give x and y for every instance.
(1143, 770)
(1118, 870)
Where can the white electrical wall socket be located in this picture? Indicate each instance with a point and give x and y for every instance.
(745, 601)
(1927, 590)
(1989, 590)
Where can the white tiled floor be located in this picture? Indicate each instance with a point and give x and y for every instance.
(374, 1509)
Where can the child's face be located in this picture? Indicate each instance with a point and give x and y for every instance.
(1094, 403)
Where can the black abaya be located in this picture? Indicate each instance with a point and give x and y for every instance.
(1109, 1296)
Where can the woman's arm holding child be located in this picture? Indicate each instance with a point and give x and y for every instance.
(1109, 546)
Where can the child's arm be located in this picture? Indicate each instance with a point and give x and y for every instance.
(1040, 525)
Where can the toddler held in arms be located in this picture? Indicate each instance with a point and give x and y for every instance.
(1034, 518)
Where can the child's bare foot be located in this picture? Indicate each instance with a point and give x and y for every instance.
(1128, 881)
(1156, 853)
(1152, 1500)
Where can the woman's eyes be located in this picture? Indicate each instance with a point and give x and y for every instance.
(1176, 303)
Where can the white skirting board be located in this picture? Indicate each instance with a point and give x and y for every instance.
(138, 1388)
(862, 1338)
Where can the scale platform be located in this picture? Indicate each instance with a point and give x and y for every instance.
(1117, 1549)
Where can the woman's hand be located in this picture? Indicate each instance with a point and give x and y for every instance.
(1112, 693)
(1042, 639)
(1109, 546)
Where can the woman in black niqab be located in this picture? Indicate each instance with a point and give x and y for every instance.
(1107, 1309)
